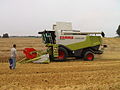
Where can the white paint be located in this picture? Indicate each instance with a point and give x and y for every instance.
(76, 39)
(59, 26)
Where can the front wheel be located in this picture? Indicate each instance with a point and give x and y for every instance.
(63, 54)
(88, 56)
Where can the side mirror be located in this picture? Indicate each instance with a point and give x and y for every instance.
(103, 34)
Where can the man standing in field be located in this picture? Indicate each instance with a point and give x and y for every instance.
(13, 57)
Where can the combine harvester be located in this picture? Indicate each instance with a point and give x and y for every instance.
(63, 42)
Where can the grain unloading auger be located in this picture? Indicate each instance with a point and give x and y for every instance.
(63, 42)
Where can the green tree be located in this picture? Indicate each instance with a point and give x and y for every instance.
(5, 35)
(118, 31)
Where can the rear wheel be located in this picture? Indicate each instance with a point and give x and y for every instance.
(88, 56)
(63, 54)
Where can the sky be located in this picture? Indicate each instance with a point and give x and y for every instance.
(28, 17)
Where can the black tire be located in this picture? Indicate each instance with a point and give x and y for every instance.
(88, 56)
(63, 54)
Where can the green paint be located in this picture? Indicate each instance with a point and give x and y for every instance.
(55, 49)
(89, 42)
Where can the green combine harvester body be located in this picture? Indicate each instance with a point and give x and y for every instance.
(63, 42)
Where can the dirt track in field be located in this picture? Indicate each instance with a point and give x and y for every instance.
(70, 75)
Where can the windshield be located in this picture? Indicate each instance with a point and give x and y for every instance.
(48, 37)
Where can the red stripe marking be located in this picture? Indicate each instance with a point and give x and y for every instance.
(66, 37)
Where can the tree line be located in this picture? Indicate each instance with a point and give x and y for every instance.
(6, 35)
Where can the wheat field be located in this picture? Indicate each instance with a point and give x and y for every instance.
(101, 74)
(6, 45)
